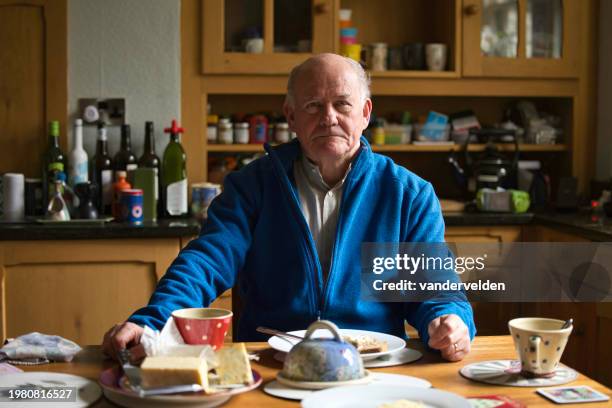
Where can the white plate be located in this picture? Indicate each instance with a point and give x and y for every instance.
(277, 389)
(371, 396)
(111, 381)
(320, 385)
(394, 343)
(87, 391)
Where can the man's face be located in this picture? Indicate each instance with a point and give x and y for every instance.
(328, 112)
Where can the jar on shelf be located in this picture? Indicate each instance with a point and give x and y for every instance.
(378, 57)
(212, 121)
(241, 133)
(258, 129)
(225, 134)
(282, 133)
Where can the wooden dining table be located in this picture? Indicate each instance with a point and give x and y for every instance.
(90, 362)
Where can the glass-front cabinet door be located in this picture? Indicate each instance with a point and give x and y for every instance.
(264, 36)
(521, 38)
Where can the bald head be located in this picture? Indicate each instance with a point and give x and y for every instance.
(325, 63)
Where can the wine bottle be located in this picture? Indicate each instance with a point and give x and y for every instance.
(125, 160)
(174, 174)
(150, 160)
(52, 155)
(102, 172)
(77, 158)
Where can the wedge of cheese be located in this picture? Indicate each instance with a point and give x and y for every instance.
(166, 371)
(234, 365)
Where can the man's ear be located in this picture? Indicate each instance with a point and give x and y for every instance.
(289, 113)
(367, 111)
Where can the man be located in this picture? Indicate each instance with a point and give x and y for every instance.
(288, 227)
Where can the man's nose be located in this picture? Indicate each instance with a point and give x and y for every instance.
(329, 116)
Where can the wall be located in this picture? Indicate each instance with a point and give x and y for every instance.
(128, 49)
(604, 98)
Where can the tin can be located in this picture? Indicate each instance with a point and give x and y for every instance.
(258, 129)
(202, 195)
(131, 206)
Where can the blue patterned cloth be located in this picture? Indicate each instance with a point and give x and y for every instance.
(39, 348)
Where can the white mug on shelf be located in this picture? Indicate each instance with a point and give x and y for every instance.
(254, 45)
(435, 55)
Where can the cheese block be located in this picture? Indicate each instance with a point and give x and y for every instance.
(164, 371)
(234, 365)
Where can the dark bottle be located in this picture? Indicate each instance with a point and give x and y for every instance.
(53, 154)
(102, 172)
(125, 160)
(150, 160)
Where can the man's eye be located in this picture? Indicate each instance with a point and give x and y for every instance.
(312, 107)
(343, 105)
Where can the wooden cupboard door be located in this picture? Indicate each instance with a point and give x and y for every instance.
(33, 85)
(224, 22)
(490, 318)
(486, 53)
(78, 289)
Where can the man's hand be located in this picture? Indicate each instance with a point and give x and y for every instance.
(121, 336)
(450, 335)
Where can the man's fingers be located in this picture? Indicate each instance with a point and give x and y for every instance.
(457, 353)
(439, 335)
(126, 334)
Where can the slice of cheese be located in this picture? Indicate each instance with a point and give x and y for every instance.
(164, 371)
(234, 365)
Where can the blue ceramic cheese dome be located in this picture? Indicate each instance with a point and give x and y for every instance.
(323, 360)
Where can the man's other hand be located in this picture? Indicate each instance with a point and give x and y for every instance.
(450, 335)
(121, 336)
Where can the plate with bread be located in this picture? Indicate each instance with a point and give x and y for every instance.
(370, 345)
(231, 375)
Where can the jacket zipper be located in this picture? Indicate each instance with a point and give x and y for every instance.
(314, 260)
(348, 181)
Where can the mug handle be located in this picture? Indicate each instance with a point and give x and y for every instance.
(323, 324)
(534, 341)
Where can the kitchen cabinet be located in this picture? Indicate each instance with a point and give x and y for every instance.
(264, 36)
(78, 288)
(522, 38)
(490, 318)
(33, 80)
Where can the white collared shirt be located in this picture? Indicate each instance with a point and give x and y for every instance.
(320, 205)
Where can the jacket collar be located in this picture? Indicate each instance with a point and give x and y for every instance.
(286, 154)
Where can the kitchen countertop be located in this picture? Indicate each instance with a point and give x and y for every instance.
(582, 224)
(111, 230)
(468, 219)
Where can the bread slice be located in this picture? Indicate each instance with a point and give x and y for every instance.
(366, 344)
(164, 371)
(234, 366)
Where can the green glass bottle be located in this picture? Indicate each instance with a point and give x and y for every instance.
(174, 175)
(52, 155)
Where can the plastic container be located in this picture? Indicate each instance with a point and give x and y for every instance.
(352, 51)
(345, 14)
(398, 134)
(432, 133)
(132, 206)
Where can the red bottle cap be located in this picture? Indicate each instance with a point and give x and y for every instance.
(175, 129)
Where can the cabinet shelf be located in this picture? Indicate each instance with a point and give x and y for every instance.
(255, 148)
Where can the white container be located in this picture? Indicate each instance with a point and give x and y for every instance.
(345, 14)
(77, 158)
(13, 193)
(225, 133)
(435, 54)
(241, 133)
(398, 134)
(432, 133)
(281, 134)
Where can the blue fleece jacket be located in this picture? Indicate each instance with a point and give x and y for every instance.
(256, 236)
